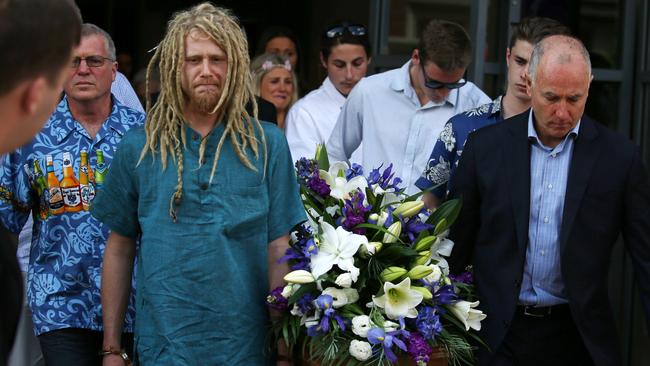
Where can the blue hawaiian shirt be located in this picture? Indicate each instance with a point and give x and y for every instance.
(65, 260)
(447, 151)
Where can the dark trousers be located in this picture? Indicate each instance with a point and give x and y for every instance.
(74, 346)
(552, 339)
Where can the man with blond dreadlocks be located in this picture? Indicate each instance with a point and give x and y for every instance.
(211, 193)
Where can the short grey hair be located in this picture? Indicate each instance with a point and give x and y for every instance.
(89, 29)
(568, 42)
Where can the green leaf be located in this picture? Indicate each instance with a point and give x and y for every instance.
(321, 157)
(449, 211)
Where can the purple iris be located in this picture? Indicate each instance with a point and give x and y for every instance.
(428, 323)
(413, 226)
(275, 300)
(306, 303)
(324, 302)
(384, 179)
(300, 252)
(445, 295)
(418, 348)
(354, 212)
(355, 171)
(378, 336)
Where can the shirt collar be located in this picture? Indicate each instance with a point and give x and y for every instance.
(532, 133)
(402, 82)
(332, 92)
(62, 120)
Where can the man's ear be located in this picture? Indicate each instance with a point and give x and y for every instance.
(32, 94)
(415, 57)
(322, 60)
(114, 70)
(508, 57)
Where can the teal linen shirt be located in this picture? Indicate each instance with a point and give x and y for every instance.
(202, 281)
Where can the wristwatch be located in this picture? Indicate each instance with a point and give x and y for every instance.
(117, 352)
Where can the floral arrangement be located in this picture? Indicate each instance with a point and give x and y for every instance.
(369, 284)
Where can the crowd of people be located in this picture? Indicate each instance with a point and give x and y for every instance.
(153, 234)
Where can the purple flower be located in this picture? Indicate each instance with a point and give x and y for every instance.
(300, 252)
(354, 213)
(324, 302)
(319, 186)
(354, 171)
(305, 169)
(418, 348)
(413, 226)
(428, 323)
(378, 336)
(445, 295)
(275, 300)
(466, 277)
(384, 179)
(306, 303)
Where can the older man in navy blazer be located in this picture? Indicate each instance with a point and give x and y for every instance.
(545, 196)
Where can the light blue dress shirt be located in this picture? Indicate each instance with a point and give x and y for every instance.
(384, 112)
(542, 283)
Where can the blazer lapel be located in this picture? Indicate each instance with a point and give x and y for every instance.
(583, 160)
(517, 172)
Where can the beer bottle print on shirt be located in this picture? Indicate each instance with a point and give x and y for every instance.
(70, 186)
(57, 206)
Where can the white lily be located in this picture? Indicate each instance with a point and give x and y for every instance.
(339, 186)
(465, 312)
(337, 246)
(442, 247)
(399, 301)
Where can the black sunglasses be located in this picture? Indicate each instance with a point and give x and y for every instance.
(435, 84)
(339, 30)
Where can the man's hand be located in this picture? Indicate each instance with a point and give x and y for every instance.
(430, 200)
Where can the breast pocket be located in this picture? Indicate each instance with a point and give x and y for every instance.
(249, 210)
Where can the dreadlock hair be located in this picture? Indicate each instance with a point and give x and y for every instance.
(165, 120)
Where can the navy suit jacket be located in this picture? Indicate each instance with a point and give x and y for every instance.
(607, 194)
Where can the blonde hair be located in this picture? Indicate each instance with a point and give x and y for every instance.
(165, 120)
(264, 63)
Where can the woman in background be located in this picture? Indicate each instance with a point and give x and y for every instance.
(275, 81)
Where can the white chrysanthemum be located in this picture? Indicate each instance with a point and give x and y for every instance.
(360, 350)
(361, 324)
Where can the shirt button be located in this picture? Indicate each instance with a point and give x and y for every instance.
(546, 220)
(204, 186)
(541, 252)
(550, 186)
(195, 137)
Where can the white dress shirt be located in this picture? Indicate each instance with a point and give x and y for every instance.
(384, 112)
(123, 91)
(310, 121)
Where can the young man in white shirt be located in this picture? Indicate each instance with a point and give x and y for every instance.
(345, 54)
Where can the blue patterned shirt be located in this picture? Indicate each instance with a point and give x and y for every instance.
(542, 283)
(446, 153)
(65, 259)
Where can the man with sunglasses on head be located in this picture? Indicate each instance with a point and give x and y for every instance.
(399, 113)
(449, 146)
(67, 247)
(345, 54)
